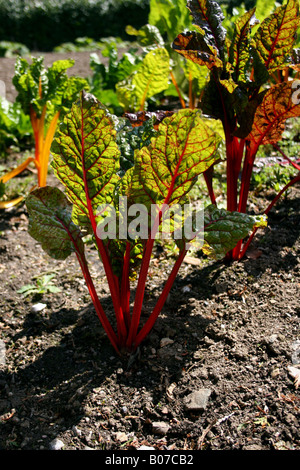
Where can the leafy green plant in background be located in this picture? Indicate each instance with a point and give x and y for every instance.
(13, 49)
(86, 159)
(44, 284)
(15, 127)
(241, 92)
(42, 26)
(105, 77)
(44, 94)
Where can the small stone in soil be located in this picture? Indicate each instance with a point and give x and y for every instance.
(56, 444)
(160, 427)
(38, 307)
(197, 400)
(2, 353)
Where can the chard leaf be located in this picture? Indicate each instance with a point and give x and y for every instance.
(169, 17)
(38, 86)
(183, 148)
(277, 105)
(86, 158)
(274, 39)
(224, 229)
(208, 16)
(50, 222)
(192, 46)
(151, 78)
(239, 55)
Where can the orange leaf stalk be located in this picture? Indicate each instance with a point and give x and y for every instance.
(42, 142)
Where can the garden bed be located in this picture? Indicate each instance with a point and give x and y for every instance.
(213, 374)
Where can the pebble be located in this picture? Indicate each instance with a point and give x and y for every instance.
(165, 341)
(160, 427)
(197, 400)
(295, 354)
(56, 444)
(38, 307)
(2, 353)
(76, 431)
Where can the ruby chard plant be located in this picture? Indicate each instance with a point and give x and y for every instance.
(249, 89)
(86, 160)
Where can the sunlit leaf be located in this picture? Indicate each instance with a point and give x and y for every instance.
(279, 103)
(151, 78)
(239, 55)
(183, 149)
(275, 37)
(86, 157)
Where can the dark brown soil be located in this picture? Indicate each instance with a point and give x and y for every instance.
(230, 330)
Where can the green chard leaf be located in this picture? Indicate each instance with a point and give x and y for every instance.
(38, 86)
(86, 158)
(275, 38)
(239, 51)
(50, 222)
(151, 78)
(223, 230)
(169, 17)
(183, 148)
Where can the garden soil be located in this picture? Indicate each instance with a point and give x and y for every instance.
(218, 371)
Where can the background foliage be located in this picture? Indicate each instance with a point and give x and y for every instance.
(42, 25)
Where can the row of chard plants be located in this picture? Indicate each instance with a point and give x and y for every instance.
(155, 158)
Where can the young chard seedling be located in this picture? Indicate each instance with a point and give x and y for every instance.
(86, 159)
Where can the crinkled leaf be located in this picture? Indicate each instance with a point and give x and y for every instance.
(279, 103)
(86, 158)
(274, 39)
(192, 46)
(224, 229)
(239, 55)
(147, 35)
(38, 86)
(166, 170)
(208, 16)
(151, 78)
(50, 222)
